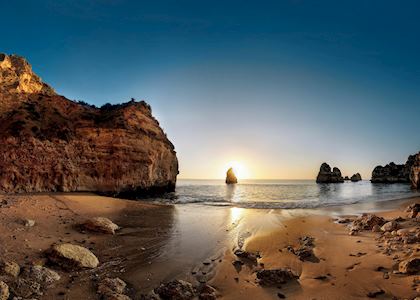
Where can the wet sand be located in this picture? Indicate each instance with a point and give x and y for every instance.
(159, 243)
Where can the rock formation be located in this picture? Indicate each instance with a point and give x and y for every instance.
(49, 143)
(231, 177)
(403, 173)
(325, 174)
(356, 177)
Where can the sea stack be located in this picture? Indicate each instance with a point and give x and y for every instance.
(325, 174)
(231, 177)
(50, 143)
(356, 177)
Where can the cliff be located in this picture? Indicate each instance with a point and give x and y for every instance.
(49, 143)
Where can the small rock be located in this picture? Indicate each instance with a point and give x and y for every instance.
(410, 266)
(414, 209)
(175, 290)
(276, 276)
(42, 275)
(29, 223)
(4, 291)
(246, 255)
(10, 268)
(72, 256)
(375, 293)
(100, 224)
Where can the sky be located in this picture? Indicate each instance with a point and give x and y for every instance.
(276, 87)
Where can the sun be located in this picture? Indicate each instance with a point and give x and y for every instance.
(239, 168)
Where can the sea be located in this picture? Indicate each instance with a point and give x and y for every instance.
(284, 194)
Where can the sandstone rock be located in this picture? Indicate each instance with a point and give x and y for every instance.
(276, 276)
(325, 174)
(4, 291)
(176, 290)
(26, 288)
(72, 256)
(410, 266)
(390, 226)
(50, 143)
(100, 224)
(231, 177)
(10, 268)
(356, 177)
(367, 222)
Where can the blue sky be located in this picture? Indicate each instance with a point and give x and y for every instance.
(280, 86)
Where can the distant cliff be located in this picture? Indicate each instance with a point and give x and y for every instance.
(399, 173)
(49, 143)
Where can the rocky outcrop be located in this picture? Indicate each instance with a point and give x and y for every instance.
(231, 177)
(356, 177)
(415, 172)
(325, 174)
(50, 143)
(395, 173)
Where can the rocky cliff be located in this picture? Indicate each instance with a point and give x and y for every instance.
(415, 172)
(393, 173)
(49, 143)
(325, 174)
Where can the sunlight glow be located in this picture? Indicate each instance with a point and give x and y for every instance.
(239, 168)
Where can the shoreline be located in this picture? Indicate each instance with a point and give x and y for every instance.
(159, 243)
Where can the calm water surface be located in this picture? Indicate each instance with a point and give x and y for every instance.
(284, 193)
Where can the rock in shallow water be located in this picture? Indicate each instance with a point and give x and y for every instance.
(72, 256)
(231, 177)
(325, 174)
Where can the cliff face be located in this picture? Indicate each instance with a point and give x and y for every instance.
(393, 173)
(415, 172)
(49, 143)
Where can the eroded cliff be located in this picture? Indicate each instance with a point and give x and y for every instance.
(49, 143)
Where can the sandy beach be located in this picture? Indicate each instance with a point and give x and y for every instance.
(199, 244)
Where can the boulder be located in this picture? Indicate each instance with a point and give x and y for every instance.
(176, 290)
(356, 177)
(72, 256)
(207, 292)
(4, 291)
(325, 174)
(276, 276)
(231, 177)
(100, 224)
(410, 266)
